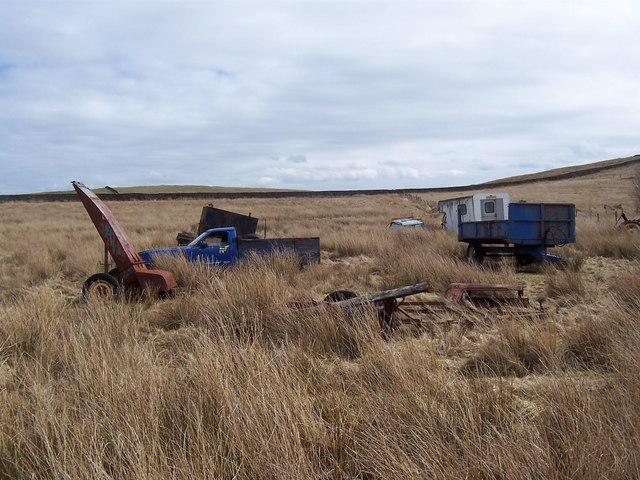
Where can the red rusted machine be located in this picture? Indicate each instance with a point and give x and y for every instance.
(131, 271)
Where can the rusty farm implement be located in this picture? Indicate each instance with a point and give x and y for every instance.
(131, 272)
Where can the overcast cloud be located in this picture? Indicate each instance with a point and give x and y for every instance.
(312, 94)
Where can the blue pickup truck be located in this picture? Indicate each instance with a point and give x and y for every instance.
(223, 246)
(528, 231)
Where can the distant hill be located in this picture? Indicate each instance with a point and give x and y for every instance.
(622, 167)
(194, 189)
(170, 190)
(565, 172)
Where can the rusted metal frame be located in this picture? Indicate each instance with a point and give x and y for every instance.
(457, 291)
(435, 318)
(403, 312)
(407, 318)
(495, 287)
(394, 310)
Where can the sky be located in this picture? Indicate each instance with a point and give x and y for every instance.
(312, 94)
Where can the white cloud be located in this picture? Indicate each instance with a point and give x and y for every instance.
(349, 94)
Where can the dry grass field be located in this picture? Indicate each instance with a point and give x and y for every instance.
(225, 380)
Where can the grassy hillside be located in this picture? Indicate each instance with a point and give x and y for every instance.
(572, 171)
(228, 379)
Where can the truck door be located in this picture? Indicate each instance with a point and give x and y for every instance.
(489, 209)
(212, 249)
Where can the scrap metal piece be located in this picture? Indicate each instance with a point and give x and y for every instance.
(457, 292)
(211, 217)
(630, 225)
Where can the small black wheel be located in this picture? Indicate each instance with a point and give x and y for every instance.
(100, 287)
(339, 295)
(386, 323)
(475, 253)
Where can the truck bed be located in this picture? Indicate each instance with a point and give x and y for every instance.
(307, 249)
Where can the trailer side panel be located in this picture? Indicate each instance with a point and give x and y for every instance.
(537, 224)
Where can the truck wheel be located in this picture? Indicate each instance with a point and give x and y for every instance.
(475, 253)
(100, 287)
(339, 295)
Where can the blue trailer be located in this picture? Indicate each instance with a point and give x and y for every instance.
(531, 228)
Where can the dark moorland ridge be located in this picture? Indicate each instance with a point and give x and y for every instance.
(550, 175)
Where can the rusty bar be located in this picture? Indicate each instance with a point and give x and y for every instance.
(106, 259)
(116, 241)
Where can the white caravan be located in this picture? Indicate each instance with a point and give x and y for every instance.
(480, 207)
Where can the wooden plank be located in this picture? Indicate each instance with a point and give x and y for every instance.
(386, 295)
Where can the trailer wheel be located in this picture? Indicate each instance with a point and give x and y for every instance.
(475, 253)
(524, 260)
(100, 287)
(633, 226)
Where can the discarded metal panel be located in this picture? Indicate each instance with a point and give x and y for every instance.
(185, 238)
(211, 217)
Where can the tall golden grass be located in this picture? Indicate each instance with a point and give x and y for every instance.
(228, 380)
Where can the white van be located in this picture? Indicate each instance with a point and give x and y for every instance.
(480, 207)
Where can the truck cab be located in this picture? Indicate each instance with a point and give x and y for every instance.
(217, 246)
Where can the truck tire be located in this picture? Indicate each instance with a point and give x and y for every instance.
(475, 253)
(101, 287)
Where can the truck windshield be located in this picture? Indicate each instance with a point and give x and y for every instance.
(210, 239)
